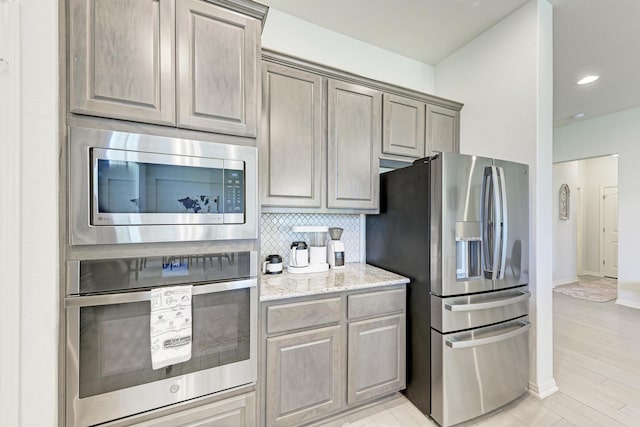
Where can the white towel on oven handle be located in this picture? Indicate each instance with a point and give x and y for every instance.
(170, 325)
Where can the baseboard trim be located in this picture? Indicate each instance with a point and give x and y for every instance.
(565, 281)
(543, 390)
(591, 273)
(627, 303)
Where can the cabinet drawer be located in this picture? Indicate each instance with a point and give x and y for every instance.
(376, 303)
(299, 315)
(237, 411)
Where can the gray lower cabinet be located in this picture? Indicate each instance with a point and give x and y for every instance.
(304, 377)
(376, 361)
(185, 63)
(354, 135)
(325, 354)
(292, 146)
(443, 129)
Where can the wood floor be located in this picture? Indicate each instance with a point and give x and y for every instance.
(596, 366)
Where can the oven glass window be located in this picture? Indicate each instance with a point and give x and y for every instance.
(114, 341)
(137, 187)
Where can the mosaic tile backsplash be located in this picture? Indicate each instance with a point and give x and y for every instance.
(277, 235)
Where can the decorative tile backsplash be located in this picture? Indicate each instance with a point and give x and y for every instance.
(277, 235)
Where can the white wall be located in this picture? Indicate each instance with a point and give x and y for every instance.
(564, 231)
(504, 77)
(609, 134)
(288, 34)
(30, 255)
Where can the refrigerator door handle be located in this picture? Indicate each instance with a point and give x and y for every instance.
(504, 223)
(489, 304)
(497, 224)
(485, 220)
(455, 344)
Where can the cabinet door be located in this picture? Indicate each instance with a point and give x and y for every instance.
(304, 376)
(443, 129)
(121, 59)
(217, 68)
(403, 126)
(291, 143)
(376, 357)
(236, 411)
(354, 138)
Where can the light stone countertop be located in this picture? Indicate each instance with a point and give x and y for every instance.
(355, 275)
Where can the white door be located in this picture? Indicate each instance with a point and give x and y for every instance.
(610, 232)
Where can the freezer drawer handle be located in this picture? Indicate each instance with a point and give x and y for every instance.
(489, 304)
(455, 344)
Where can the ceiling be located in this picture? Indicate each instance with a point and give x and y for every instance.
(590, 37)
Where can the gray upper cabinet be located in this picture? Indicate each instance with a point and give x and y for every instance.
(403, 126)
(354, 138)
(443, 129)
(185, 63)
(291, 147)
(217, 69)
(122, 59)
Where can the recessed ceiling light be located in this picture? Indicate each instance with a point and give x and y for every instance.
(588, 79)
(578, 116)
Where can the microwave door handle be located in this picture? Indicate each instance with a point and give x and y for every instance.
(504, 233)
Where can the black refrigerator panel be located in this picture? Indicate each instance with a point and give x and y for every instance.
(398, 240)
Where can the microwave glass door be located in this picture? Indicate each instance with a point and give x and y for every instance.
(150, 188)
(114, 343)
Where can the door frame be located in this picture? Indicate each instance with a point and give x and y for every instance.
(601, 229)
(579, 232)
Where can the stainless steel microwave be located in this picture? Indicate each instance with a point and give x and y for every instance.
(137, 188)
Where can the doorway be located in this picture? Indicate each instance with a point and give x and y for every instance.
(586, 240)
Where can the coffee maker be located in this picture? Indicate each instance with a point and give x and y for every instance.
(311, 258)
(335, 249)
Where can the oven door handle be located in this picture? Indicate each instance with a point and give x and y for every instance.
(138, 296)
(522, 296)
(455, 344)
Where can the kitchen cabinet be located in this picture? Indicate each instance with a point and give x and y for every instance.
(292, 145)
(354, 128)
(377, 341)
(324, 132)
(443, 129)
(414, 129)
(304, 380)
(403, 126)
(328, 354)
(185, 63)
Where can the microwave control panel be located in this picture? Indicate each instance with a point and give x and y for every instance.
(233, 196)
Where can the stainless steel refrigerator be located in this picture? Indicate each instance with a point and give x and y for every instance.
(457, 226)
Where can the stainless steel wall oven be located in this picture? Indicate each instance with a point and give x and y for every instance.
(109, 372)
(135, 188)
